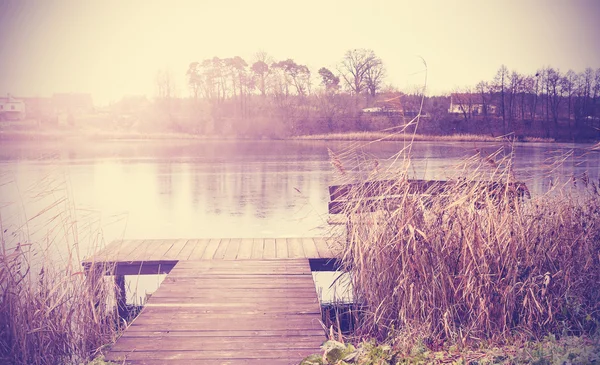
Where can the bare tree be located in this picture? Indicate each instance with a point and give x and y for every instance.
(354, 67)
(500, 82)
(165, 84)
(568, 85)
(374, 76)
(194, 79)
(465, 101)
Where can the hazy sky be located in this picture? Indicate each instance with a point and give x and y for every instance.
(113, 48)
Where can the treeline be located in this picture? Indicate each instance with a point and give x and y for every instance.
(549, 103)
(271, 98)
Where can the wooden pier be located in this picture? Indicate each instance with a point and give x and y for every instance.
(224, 301)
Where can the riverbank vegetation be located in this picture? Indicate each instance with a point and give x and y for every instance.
(51, 311)
(464, 269)
(401, 137)
(548, 351)
(267, 98)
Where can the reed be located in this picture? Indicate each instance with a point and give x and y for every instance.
(51, 312)
(467, 266)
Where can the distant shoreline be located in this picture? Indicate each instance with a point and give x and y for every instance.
(61, 135)
(382, 136)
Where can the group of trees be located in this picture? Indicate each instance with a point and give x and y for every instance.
(266, 97)
(549, 103)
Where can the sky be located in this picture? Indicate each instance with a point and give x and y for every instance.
(114, 48)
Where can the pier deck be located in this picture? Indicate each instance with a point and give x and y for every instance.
(224, 301)
(227, 312)
(158, 256)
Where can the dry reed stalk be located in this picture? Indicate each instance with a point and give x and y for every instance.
(469, 265)
(51, 312)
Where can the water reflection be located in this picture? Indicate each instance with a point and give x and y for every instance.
(191, 189)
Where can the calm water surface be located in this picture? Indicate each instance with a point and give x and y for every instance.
(203, 189)
(157, 189)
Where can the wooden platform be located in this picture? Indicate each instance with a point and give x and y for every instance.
(216, 311)
(154, 256)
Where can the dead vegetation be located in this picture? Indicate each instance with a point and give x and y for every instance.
(466, 266)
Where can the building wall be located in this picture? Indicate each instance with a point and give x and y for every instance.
(12, 109)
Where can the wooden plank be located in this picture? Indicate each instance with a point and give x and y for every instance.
(240, 263)
(232, 249)
(175, 361)
(157, 250)
(245, 251)
(133, 247)
(144, 267)
(203, 303)
(267, 334)
(145, 252)
(212, 265)
(161, 249)
(323, 248)
(282, 249)
(188, 249)
(258, 247)
(222, 249)
(310, 249)
(173, 252)
(214, 343)
(270, 251)
(199, 249)
(385, 194)
(205, 354)
(225, 325)
(295, 249)
(110, 251)
(211, 249)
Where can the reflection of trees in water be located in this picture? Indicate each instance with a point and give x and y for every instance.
(164, 175)
(258, 189)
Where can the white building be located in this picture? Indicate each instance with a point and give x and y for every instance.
(11, 108)
(469, 104)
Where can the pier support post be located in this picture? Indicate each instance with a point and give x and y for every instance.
(121, 295)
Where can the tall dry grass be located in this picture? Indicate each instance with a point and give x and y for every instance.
(51, 312)
(465, 266)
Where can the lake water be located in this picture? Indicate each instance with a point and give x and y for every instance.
(203, 189)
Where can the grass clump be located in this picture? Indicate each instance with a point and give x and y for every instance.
(51, 312)
(548, 351)
(467, 266)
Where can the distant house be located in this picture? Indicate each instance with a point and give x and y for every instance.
(11, 108)
(387, 106)
(398, 105)
(470, 104)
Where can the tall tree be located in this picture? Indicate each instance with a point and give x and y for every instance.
(295, 75)
(329, 80)
(568, 85)
(260, 69)
(194, 79)
(374, 76)
(500, 82)
(354, 67)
